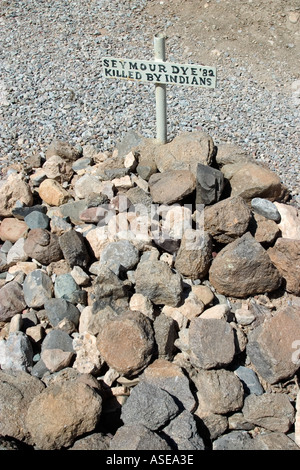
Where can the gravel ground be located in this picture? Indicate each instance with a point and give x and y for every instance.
(51, 85)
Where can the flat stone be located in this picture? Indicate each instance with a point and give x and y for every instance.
(211, 342)
(150, 406)
(266, 208)
(272, 411)
(137, 437)
(250, 380)
(271, 346)
(243, 268)
(171, 186)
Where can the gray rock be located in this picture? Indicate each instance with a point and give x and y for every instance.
(137, 437)
(58, 309)
(266, 208)
(58, 339)
(74, 249)
(17, 390)
(219, 391)
(182, 430)
(73, 210)
(37, 288)
(16, 352)
(234, 440)
(194, 255)
(94, 441)
(66, 288)
(156, 280)
(109, 290)
(211, 342)
(250, 380)
(165, 331)
(274, 441)
(24, 211)
(209, 184)
(272, 411)
(149, 405)
(129, 141)
(12, 300)
(120, 256)
(37, 219)
(170, 377)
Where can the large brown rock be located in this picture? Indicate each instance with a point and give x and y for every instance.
(185, 152)
(12, 190)
(61, 413)
(52, 193)
(272, 411)
(272, 346)
(126, 343)
(227, 220)
(43, 246)
(284, 254)
(252, 180)
(155, 280)
(218, 391)
(171, 186)
(17, 390)
(194, 255)
(12, 229)
(243, 268)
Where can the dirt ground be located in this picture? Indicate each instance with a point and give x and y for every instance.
(264, 35)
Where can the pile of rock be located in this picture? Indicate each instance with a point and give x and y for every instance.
(149, 299)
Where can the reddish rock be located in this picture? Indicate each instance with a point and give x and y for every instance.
(227, 220)
(12, 229)
(284, 255)
(127, 343)
(243, 268)
(194, 255)
(272, 346)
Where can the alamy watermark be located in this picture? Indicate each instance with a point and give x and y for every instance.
(158, 222)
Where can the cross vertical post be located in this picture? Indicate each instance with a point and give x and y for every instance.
(160, 92)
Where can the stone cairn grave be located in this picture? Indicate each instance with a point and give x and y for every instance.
(149, 299)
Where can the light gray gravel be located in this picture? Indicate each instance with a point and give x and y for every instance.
(51, 85)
